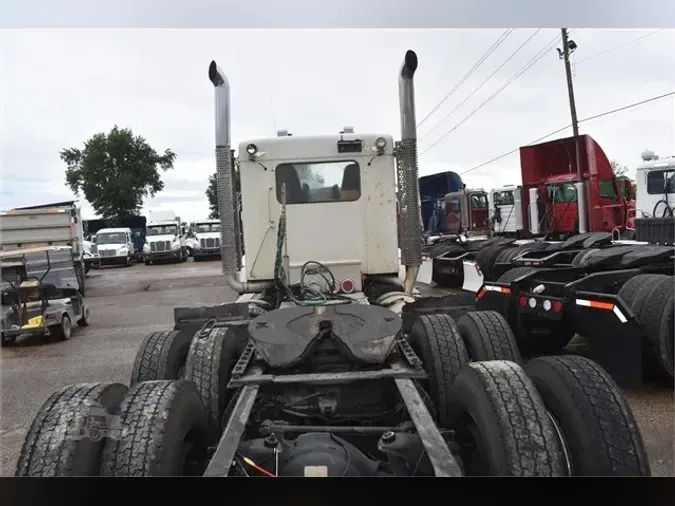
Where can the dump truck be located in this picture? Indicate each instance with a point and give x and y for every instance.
(328, 364)
(57, 224)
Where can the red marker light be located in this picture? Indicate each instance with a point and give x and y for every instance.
(523, 301)
(348, 286)
(557, 307)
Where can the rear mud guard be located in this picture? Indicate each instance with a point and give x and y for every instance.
(472, 276)
(615, 338)
(496, 297)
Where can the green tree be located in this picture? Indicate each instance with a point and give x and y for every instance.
(621, 172)
(212, 194)
(116, 171)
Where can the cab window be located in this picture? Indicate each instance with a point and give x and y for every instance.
(607, 190)
(478, 201)
(504, 198)
(313, 183)
(660, 181)
(562, 193)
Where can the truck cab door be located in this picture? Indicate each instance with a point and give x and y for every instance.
(613, 212)
(628, 192)
(130, 244)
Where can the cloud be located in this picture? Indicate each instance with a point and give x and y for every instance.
(60, 87)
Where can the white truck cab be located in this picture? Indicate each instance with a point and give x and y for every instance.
(164, 241)
(319, 212)
(655, 179)
(114, 246)
(506, 213)
(340, 204)
(207, 239)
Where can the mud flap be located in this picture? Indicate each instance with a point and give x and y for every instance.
(424, 275)
(473, 277)
(614, 340)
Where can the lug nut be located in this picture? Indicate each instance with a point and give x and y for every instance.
(388, 436)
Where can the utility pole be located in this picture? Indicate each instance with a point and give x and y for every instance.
(581, 193)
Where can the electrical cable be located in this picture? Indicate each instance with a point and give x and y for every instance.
(618, 47)
(620, 109)
(524, 69)
(491, 50)
(481, 84)
(257, 467)
(347, 452)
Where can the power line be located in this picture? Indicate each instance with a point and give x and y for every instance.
(491, 50)
(607, 113)
(481, 84)
(527, 66)
(617, 47)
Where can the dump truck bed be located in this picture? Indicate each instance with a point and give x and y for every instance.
(32, 228)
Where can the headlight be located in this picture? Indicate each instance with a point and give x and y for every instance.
(146, 248)
(123, 251)
(175, 246)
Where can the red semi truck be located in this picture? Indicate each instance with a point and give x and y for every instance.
(545, 206)
(548, 172)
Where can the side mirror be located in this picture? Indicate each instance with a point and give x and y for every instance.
(626, 187)
(630, 190)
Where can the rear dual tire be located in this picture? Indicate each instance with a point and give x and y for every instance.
(164, 431)
(490, 405)
(597, 430)
(59, 442)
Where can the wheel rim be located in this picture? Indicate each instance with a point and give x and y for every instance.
(563, 443)
(472, 451)
(65, 324)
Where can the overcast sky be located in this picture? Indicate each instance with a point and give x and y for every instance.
(60, 87)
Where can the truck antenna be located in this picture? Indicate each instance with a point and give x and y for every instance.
(274, 119)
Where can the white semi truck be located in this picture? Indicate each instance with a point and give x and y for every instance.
(327, 364)
(164, 238)
(207, 243)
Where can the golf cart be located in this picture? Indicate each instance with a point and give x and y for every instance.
(40, 293)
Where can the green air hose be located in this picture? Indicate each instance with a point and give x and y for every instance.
(309, 296)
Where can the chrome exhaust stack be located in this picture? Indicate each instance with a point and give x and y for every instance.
(407, 175)
(230, 254)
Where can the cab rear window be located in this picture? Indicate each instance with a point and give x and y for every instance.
(335, 181)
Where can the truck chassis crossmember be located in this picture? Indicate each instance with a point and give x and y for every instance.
(439, 454)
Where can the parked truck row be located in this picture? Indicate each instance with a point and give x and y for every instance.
(608, 290)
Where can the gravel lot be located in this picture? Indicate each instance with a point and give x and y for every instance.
(126, 304)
